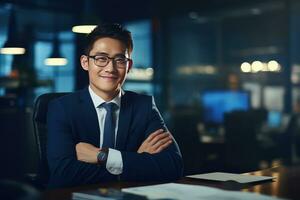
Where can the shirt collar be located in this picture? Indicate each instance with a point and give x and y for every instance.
(98, 100)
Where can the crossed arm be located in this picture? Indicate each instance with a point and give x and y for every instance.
(155, 143)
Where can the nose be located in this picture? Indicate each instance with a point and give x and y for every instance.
(110, 66)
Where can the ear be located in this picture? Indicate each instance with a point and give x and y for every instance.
(84, 62)
(129, 65)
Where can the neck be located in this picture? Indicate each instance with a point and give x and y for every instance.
(106, 96)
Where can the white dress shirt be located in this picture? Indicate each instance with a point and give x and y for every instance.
(114, 162)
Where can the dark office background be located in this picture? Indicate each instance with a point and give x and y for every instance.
(245, 52)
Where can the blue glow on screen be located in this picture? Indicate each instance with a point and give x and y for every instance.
(216, 103)
(274, 118)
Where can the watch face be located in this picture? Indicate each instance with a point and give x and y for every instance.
(102, 156)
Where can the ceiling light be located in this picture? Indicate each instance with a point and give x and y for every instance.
(12, 45)
(12, 50)
(83, 28)
(257, 66)
(246, 67)
(87, 21)
(55, 59)
(273, 65)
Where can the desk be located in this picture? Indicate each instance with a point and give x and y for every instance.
(286, 185)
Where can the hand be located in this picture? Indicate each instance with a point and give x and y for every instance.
(86, 152)
(156, 142)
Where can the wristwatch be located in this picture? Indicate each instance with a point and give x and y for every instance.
(102, 156)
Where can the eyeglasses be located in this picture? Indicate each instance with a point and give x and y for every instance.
(102, 61)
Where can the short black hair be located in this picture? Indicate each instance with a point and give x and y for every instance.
(111, 30)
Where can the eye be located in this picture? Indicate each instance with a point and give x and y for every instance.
(120, 60)
(101, 58)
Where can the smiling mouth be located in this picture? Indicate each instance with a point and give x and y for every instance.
(108, 77)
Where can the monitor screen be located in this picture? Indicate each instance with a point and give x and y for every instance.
(274, 119)
(216, 103)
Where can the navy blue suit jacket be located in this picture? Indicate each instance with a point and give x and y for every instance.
(73, 119)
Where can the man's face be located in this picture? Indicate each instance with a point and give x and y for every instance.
(106, 81)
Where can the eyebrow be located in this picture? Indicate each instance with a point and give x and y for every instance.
(106, 54)
(100, 53)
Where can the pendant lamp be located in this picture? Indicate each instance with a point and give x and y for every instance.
(12, 46)
(88, 21)
(55, 58)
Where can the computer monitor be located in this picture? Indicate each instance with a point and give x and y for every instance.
(274, 119)
(217, 102)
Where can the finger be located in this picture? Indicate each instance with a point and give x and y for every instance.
(154, 134)
(161, 142)
(159, 137)
(164, 146)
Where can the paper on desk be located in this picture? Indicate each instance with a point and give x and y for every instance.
(175, 191)
(221, 176)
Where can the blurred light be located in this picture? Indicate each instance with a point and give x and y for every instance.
(257, 66)
(296, 68)
(295, 78)
(12, 50)
(265, 67)
(258, 173)
(273, 66)
(83, 28)
(275, 184)
(209, 70)
(149, 71)
(185, 70)
(246, 67)
(55, 61)
(141, 74)
(12, 45)
(198, 69)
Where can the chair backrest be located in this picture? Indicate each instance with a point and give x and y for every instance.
(242, 150)
(12, 128)
(40, 131)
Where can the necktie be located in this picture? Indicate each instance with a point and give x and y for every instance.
(109, 126)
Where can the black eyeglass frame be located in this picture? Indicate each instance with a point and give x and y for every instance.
(113, 59)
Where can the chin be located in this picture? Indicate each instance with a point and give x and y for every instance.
(109, 89)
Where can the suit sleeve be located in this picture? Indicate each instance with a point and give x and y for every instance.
(164, 166)
(65, 169)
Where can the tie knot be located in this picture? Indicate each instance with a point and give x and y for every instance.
(109, 106)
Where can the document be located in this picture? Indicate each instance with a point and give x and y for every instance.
(240, 178)
(175, 191)
(106, 194)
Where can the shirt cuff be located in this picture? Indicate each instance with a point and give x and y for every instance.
(114, 162)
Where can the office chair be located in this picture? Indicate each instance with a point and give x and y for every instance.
(184, 129)
(40, 132)
(242, 149)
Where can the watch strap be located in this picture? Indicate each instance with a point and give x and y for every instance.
(102, 156)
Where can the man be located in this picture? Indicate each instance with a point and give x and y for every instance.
(103, 133)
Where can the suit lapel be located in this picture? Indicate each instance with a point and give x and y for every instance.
(125, 117)
(89, 117)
